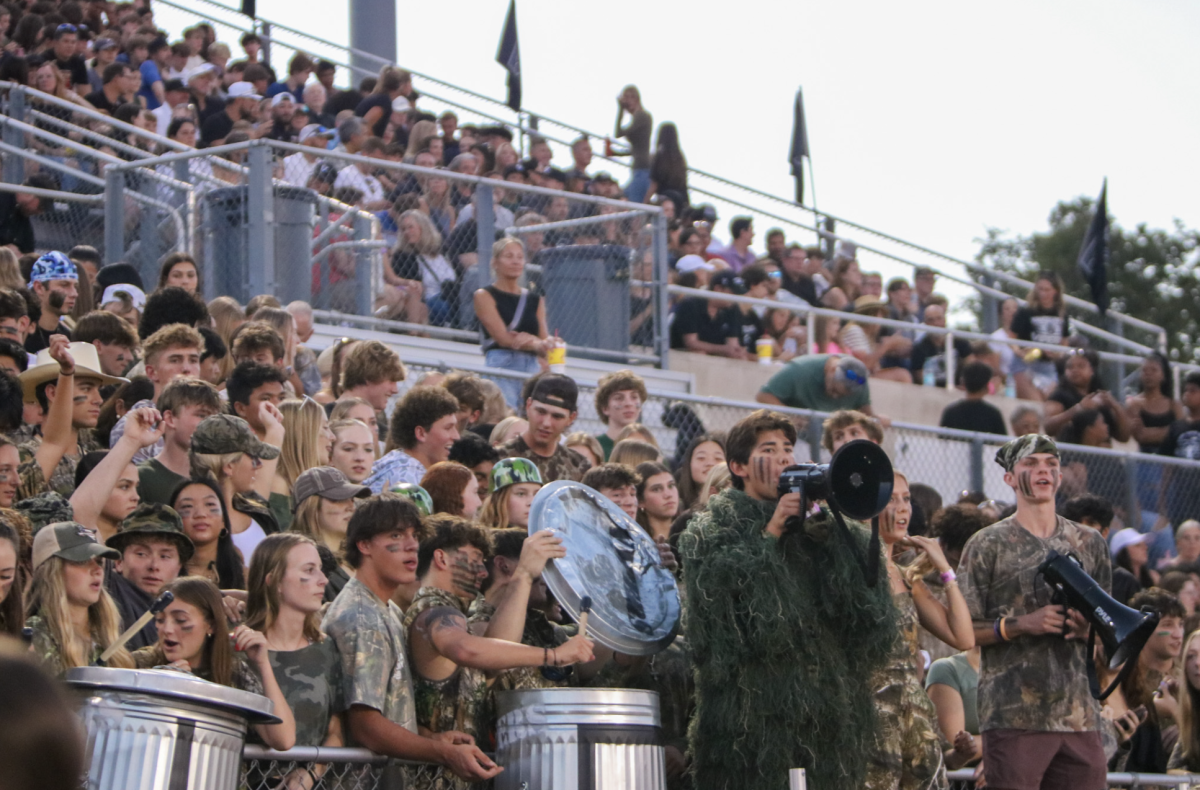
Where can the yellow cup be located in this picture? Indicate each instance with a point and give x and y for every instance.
(766, 350)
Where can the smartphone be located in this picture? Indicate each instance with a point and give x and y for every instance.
(1141, 713)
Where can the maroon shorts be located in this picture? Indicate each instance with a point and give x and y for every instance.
(1034, 760)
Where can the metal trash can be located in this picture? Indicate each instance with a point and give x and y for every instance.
(579, 739)
(587, 294)
(151, 729)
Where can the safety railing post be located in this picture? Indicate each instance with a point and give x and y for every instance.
(260, 209)
(149, 243)
(322, 298)
(114, 215)
(364, 264)
(976, 464)
(991, 307)
(950, 360)
(1133, 504)
(480, 274)
(662, 337)
(14, 167)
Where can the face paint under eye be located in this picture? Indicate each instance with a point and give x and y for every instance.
(1025, 484)
(466, 574)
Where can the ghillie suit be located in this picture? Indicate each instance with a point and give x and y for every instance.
(785, 637)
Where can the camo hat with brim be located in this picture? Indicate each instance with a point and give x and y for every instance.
(416, 494)
(1024, 446)
(71, 541)
(152, 520)
(47, 507)
(221, 434)
(510, 471)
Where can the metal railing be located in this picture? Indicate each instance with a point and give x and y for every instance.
(1181, 782)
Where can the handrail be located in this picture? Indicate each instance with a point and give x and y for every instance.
(53, 194)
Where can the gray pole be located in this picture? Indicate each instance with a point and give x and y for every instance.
(14, 167)
(114, 216)
(373, 30)
(260, 215)
(662, 337)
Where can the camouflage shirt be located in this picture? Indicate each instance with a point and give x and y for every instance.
(370, 639)
(48, 651)
(565, 464)
(1033, 682)
(62, 479)
(311, 681)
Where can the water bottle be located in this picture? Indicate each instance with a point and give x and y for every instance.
(929, 372)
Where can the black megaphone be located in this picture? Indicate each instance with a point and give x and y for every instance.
(1122, 630)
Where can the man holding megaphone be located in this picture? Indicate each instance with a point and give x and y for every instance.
(1040, 722)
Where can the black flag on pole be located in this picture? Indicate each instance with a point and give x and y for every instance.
(799, 146)
(509, 56)
(1093, 255)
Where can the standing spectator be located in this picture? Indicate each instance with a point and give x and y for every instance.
(16, 230)
(973, 413)
(822, 382)
(114, 339)
(551, 410)
(54, 281)
(738, 254)
(1041, 725)
(376, 109)
(928, 354)
(641, 126)
(619, 399)
(424, 428)
(154, 549)
(1043, 320)
(709, 325)
(184, 403)
(668, 169)
(1096, 512)
(1152, 411)
(512, 320)
(1079, 389)
(354, 449)
(1180, 497)
(159, 54)
(418, 257)
(382, 540)
(300, 68)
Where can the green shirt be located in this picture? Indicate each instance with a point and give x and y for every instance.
(606, 444)
(311, 681)
(957, 673)
(801, 385)
(156, 482)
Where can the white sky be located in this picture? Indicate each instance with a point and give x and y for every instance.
(928, 120)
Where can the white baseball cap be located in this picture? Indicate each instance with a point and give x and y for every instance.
(315, 130)
(280, 98)
(243, 90)
(203, 68)
(400, 104)
(1126, 538)
(691, 263)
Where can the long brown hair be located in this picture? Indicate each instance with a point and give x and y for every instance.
(204, 595)
(689, 490)
(1189, 706)
(49, 595)
(12, 611)
(494, 513)
(445, 482)
(267, 569)
(1060, 305)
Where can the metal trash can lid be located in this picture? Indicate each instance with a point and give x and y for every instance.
(175, 685)
(635, 601)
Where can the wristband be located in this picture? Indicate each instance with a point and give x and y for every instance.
(1003, 630)
(949, 576)
(996, 630)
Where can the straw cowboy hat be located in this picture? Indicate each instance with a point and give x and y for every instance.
(87, 366)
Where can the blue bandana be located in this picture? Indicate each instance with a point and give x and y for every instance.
(53, 266)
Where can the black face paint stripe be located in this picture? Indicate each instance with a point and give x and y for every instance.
(1023, 482)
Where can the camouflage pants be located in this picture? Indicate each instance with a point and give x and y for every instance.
(909, 749)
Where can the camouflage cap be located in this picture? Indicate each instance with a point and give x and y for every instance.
(153, 520)
(71, 541)
(46, 508)
(1029, 444)
(225, 433)
(510, 471)
(417, 495)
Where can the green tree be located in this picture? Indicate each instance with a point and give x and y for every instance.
(1152, 274)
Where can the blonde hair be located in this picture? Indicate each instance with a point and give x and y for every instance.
(267, 569)
(720, 478)
(585, 439)
(302, 421)
(1189, 704)
(430, 243)
(212, 465)
(307, 519)
(419, 135)
(495, 408)
(494, 513)
(49, 596)
(501, 245)
(635, 430)
(10, 270)
(501, 429)
(633, 452)
(227, 316)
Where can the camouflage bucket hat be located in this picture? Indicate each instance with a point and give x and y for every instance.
(45, 508)
(510, 471)
(224, 433)
(1029, 444)
(153, 520)
(71, 541)
(417, 495)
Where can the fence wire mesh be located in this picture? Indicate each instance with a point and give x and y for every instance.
(287, 774)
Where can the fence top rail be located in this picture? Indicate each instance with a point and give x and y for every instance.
(53, 194)
(825, 312)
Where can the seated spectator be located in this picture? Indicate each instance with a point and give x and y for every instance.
(822, 382)
(12, 575)
(511, 488)
(795, 278)
(1154, 408)
(1128, 548)
(67, 585)
(1025, 420)
(16, 209)
(453, 489)
(325, 500)
(845, 285)
(710, 325)
(353, 450)
(974, 413)
(1079, 389)
(424, 428)
(251, 385)
(418, 258)
(475, 453)
(468, 390)
(788, 335)
(928, 354)
(883, 353)
(619, 399)
(193, 629)
(901, 306)
(154, 549)
(551, 409)
(1181, 485)
(952, 685)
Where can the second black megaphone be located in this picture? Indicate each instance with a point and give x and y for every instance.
(857, 481)
(1122, 630)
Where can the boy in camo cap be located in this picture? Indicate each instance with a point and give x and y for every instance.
(419, 496)
(154, 551)
(1041, 723)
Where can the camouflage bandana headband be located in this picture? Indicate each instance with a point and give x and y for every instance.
(1008, 455)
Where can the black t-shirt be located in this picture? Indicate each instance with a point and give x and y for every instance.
(1183, 490)
(802, 287)
(1041, 328)
(343, 100)
(211, 107)
(749, 325)
(216, 128)
(974, 415)
(381, 101)
(691, 317)
(1067, 397)
(101, 102)
(76, 67)
(15, 227)
(925, 349)
(39, 338)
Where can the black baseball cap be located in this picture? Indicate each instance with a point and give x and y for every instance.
(730, 279)
(555, 389)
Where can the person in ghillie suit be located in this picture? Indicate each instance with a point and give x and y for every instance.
(784, 629)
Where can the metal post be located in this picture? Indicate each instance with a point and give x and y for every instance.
(1117, 369)
(372, 30)
(322, 298)
(149, 243)
(14, 166)
(977, 464)
(364, 264)
(114, 216)
(662, 338)
(991, 308)
(950, 360)
(260, 218)
(810, 322)
(1133, 503)
(485, 226)
(266, 44)
(812, 432)
(830, 232)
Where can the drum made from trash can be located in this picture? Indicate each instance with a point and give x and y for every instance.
(579, 739)
(153, 729)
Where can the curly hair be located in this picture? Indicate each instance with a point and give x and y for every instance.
(611, 476)
(449, 533)
(420, 407)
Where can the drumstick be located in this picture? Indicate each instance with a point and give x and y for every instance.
(163, 602)
(585, 608)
